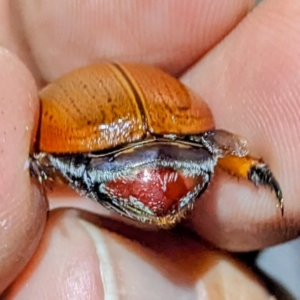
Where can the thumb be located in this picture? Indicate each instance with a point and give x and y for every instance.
(22, 207)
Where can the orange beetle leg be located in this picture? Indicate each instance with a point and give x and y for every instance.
(253, 169)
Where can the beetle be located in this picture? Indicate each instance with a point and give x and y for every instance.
(138, 141)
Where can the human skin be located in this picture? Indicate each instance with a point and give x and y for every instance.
(244, 64)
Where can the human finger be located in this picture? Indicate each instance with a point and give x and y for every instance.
(251, 81)
(86, 256)
(22, 207)
(55, 37)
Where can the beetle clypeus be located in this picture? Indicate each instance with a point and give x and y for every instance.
(137, 141)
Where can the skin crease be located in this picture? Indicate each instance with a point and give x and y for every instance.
(243, 79)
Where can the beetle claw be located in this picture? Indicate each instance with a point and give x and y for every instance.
(260, 174)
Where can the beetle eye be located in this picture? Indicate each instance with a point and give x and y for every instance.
(159, 189)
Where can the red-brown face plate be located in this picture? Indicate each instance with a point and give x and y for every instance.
(158, 189)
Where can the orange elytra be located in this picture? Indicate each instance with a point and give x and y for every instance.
(106, 105)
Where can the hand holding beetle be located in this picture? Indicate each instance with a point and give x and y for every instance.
(244, 89)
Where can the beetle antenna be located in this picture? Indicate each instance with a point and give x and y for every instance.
(261, 174)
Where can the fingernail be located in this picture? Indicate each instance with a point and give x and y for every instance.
(169, 269)
(130, 271)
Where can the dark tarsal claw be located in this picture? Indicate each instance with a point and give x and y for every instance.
(260, 174)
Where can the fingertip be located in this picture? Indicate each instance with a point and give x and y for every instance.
(250, 81)
(22, 206)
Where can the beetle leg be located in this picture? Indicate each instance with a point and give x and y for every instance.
(221, 142)
(253, 169)
(233, 157)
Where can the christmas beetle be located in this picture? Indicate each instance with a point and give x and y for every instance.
(136, 140)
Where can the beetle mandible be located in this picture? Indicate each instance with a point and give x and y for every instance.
(136, 140)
